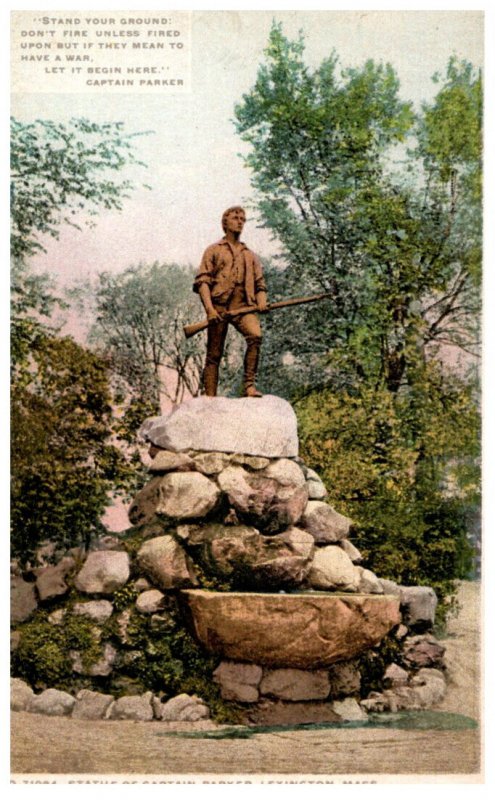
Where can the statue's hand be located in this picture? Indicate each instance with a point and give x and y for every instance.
(262, 302)
(213, 316)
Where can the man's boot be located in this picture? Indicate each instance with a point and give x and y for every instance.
(210, 380)
(251, 366)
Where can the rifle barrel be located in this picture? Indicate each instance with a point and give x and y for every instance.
(196, 327)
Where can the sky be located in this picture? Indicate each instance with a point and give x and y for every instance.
(192, 153)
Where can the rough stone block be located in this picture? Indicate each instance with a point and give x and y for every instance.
(238, 682)
(333, 569)
(166, 564)
(137, 707)
(150, 602)
(22, 599)
(91, 705)
(349, 710)
(295, 684)
(21, 695)
(418, 605)
(103, 572)
(97, 610)
(53, 703)
(175, 496)
(305, 631)
(264, 426)
(324, 523)
(50, 581)
(184, 708)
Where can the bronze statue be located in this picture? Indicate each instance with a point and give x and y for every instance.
(230, 277)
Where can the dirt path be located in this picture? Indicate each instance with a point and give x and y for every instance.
(64, 746)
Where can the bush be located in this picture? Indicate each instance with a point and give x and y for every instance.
(403, 467)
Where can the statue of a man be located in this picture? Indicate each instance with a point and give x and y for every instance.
(230, 276)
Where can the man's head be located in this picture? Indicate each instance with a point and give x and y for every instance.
(234, 217)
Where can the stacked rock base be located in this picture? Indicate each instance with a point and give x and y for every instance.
(236, 566)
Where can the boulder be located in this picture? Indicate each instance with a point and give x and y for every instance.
(316, 488)
(103, 572)
(390, 587)
(167, 461)
(184, 708)
(394, 675)
(271, 499)
(418, 605)
(22, 599)
(264, 426)
(102, 667)
(166, 564)
(295, 684)
(345, 679)
(21, 695)
(150, 602)
(175, 496)
(238, 682)
(368, 582)
(250, 559)
(430, 686)
(352, 551)
(424, 690)
(137, 707)
(91, 705)
(53, 703)
(97, 610)
(50, 581)
(305, 631)
(211, 463)
(423, 651)
(324, 523)
(349, 710)
(251, 462)
(333, 569)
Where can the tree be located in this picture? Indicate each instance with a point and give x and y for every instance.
(64, 463)
(64, 459)
(352, 220)
(60, 171)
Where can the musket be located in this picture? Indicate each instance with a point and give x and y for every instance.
(196, 327)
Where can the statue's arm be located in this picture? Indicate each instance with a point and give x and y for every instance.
(203, 281)
(260, 285)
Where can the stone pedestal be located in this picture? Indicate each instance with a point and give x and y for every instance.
(305, 631)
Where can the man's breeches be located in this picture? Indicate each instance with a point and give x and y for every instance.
(249, 326)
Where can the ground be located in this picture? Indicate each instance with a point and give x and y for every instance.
(65, 746)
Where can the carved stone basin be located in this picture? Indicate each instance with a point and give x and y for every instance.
(304, 631)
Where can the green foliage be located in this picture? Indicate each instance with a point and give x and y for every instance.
(373, 663)
(42, 657)
(394, 464)
(396, 242)
(124, 597)
(63, 462)
(60, 171)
